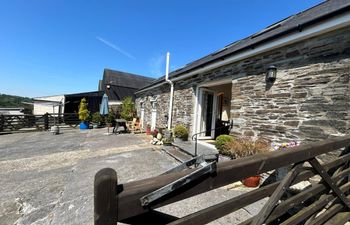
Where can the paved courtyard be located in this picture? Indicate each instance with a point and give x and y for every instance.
(48, 179)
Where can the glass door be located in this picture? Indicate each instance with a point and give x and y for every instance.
(207, 113)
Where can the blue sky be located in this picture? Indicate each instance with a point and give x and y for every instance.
(50, 47)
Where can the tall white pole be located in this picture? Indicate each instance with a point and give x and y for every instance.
(171, 90)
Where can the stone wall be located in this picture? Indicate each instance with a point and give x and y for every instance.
(162, 95)
(182, 105)
(306, 103)
(309, 100)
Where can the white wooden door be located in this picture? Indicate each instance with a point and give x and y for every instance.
(154, 115)
(206, 114)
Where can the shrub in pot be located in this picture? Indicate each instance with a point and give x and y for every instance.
(220, 142)
(181, 132)
(110, 119)
(96, 119)
(84, 114)
(244, 147)
(167, 141)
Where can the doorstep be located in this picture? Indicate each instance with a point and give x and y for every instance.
(176, 153)
(209, 151)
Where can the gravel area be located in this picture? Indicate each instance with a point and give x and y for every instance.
(48, 179)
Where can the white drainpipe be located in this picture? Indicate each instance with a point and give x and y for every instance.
(171, 90)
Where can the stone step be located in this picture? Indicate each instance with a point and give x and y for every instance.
(176, 153)
(210, 153)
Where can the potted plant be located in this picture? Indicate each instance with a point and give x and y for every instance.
(244, 147)
(96, 120)
(180, 133)
(110, 119)
(148, 129)
(220, 142)
(127, 109)
(167, 137)
(154, 133)
(84, 114)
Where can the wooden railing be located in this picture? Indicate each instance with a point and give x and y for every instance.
(12, 123)
(326, 202)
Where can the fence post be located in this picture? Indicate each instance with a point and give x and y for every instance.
(2, 122)
(105, 197)
(46, 121)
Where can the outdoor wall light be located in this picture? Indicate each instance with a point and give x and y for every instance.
(108, 86)
(271, 74)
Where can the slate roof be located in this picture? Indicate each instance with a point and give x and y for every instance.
(86, 94)
(294, 23)
(122, 84)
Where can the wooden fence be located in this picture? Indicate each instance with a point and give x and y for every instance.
(326, 202)
(13, 123)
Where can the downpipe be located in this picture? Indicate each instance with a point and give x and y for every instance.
(171, 90)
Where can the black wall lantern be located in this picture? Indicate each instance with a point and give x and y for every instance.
(271, 74)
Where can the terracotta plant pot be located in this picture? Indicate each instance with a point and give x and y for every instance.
(253, 181)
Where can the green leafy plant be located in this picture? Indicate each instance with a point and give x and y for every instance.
(128, 108)
(168, 141)
(110, 118)
(180, 131)
(84, 113)
(221, 141)
(97, 118)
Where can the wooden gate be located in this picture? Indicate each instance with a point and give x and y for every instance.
(13, 123)
(326, 202)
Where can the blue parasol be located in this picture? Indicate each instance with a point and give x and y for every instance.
(104, 105)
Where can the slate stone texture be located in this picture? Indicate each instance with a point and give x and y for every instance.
(309, 100)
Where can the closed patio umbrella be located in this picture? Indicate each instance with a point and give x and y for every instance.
(104, 105)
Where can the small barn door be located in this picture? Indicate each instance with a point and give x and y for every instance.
(142, 115)
(153, 115)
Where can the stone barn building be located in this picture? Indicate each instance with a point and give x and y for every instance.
(309, 55)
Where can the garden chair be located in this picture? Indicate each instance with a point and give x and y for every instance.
(134, 125)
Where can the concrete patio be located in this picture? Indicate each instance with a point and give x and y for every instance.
(48, 179)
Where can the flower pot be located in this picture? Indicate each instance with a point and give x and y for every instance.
(253, 181)
(177, 140)
(84, 125)
(55, 130)
(148, 131)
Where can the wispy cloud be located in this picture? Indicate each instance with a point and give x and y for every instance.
(115, 47)
(157, 65)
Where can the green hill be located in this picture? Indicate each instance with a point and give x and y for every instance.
(12, 101)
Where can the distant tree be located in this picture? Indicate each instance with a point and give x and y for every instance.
(128, 109)
(15, 101)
